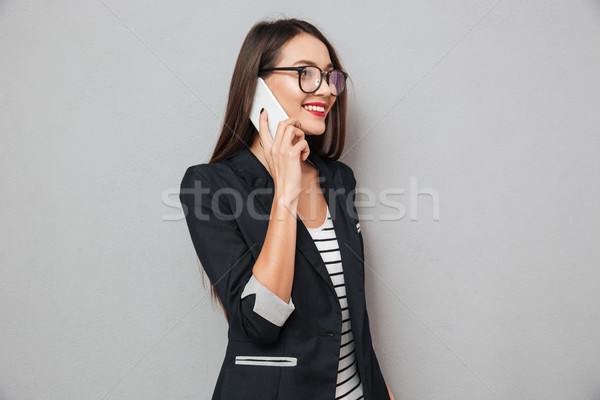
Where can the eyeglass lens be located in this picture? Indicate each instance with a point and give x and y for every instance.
(309, 80)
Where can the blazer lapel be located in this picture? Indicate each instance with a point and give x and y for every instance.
(262, 185)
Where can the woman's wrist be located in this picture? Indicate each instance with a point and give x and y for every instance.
(284, 207)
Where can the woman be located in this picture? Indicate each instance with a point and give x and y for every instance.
(284, 260)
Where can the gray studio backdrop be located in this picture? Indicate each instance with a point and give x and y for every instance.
(473, 133)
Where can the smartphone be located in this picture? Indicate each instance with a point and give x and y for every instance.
(264, 98)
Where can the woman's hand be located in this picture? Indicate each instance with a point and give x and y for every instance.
(390, 392)
(284, 156)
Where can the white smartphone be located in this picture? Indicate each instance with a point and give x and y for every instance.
(264, 98)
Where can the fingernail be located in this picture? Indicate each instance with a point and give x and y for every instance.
(261, 110)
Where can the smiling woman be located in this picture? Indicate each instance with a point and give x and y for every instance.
(306, 245)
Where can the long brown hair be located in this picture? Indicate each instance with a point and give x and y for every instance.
(262, 49)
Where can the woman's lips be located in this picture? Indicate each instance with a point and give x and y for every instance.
(317, 113)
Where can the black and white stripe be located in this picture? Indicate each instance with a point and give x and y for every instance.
(349, 384)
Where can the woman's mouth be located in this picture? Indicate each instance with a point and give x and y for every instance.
(315, 110)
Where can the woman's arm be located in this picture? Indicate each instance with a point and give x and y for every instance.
(274, 267)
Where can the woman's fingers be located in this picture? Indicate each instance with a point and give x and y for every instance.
(283, 156)
(287, 133)
(263, 132)
(299, 135)
(302, 149)
(282, 127)
(293, 132)
(288, 136)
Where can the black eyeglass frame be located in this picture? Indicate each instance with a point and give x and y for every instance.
(302, 68)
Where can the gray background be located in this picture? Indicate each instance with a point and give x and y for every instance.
(491, 107)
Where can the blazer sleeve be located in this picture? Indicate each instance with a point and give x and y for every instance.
(226, 258)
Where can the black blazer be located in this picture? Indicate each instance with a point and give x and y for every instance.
(298, 360)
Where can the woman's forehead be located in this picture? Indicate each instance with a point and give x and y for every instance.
(306, 50)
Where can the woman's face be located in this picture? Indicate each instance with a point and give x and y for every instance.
(303, 49)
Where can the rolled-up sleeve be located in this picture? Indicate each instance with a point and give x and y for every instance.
(267, 304)
(226, 257)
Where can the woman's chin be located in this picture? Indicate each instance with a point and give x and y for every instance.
(312, 128)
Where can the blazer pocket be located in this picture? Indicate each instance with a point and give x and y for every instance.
(267, 361)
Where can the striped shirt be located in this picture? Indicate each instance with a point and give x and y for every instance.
(349, 384)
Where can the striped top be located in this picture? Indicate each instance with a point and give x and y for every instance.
(349, 385)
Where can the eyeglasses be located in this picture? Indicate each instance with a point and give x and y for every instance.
(310, 78)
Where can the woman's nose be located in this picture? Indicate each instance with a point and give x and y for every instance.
(324, 88)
